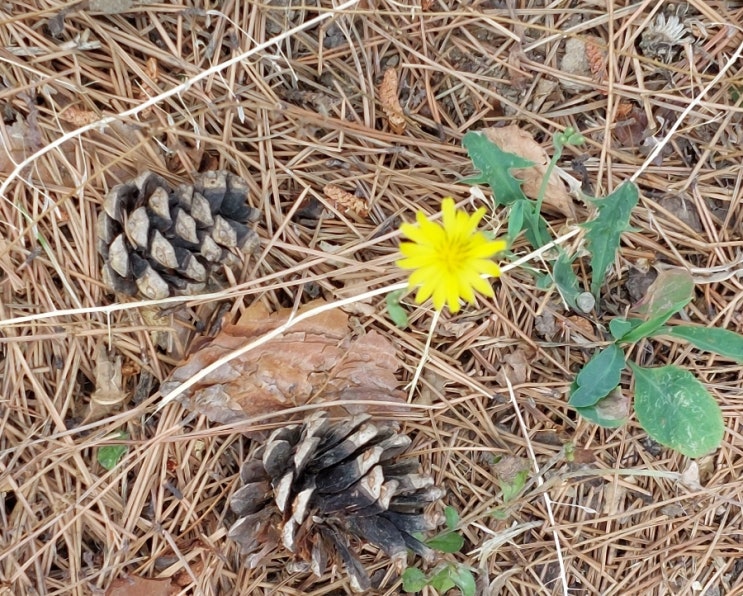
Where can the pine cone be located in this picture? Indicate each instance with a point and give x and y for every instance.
(159, 242)
(318, 487)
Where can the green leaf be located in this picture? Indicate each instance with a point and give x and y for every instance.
(603, 234)
(495, 168)
(413, 580)
(676, 410)
(395, 311)
(565, 279)
(110, 455)
(512, 489)
(621, 327)
(720, 341)
(609, 412)
(451, 516)
(448, 542)
(442, 582)
(463, 579)
(598, 377)
(516, 220)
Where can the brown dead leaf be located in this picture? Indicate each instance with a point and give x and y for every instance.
(133, 585)
(315, 361)
(390, 101)
(516, 367)
(346, 202)
(515, 140)
(630, 129)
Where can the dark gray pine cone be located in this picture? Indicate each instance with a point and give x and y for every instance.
(320, 489)
(157, 241)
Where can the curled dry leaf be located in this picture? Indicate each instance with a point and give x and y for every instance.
(390, 101)
(515, 140)
(630, 125)
(516, 367)
(109, 389)
(315, 361)
(346, 202)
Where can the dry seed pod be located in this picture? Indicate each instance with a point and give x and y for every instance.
(662, 39)
(321, 488)
(157, 241)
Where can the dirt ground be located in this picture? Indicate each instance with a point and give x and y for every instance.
(288, 96)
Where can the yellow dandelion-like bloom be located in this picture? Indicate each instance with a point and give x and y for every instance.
(449, 259)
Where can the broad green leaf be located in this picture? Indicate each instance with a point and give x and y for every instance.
(512, 489)
(110, 455)
(495, 168)
(671, 291)
(602, 237)
(565, 279)
(598, 377)
(676, 410)
(441, 581)
(413, 580)
(449, 542)
(609, 412)
(463, 579)
(621, 327)
(451, 516)
(720, 341)
(395, 311)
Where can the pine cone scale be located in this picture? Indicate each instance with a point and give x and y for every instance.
(158, 241)
(333, 484)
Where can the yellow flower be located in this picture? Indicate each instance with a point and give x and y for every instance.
(449, 259)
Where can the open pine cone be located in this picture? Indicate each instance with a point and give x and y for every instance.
(157, 241)
(318, 488)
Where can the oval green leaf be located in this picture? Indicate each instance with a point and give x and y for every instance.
(720, 341)
(598, 377)
(676, 410)
(449, 542)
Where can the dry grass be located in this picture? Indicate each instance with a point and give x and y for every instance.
(292, 118)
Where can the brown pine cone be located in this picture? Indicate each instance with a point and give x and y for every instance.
(158, 242)
(320, 489)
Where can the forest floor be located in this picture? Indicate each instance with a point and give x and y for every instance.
(291, 97)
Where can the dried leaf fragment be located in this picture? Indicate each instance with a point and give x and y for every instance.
(134, 585)
(109, 389)
(391, 102)
(346, 202)
(316, 360)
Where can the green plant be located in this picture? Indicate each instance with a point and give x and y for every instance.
(449, 574)
(671, 405)
(110, 455)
